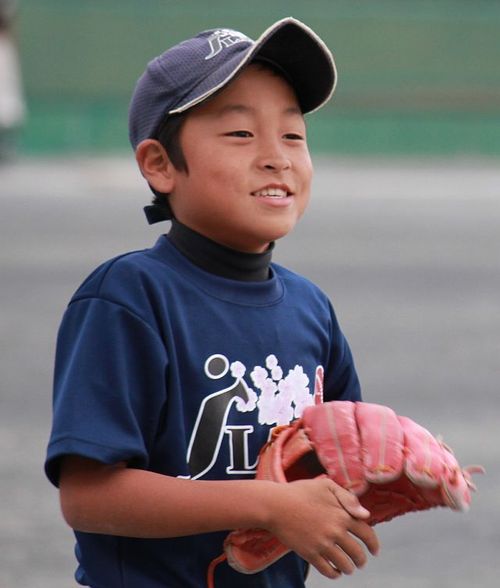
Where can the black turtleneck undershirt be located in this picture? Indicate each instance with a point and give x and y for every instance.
(218, 259)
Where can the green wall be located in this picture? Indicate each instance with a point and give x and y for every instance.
(415, 77)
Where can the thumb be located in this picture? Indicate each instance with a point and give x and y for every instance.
(350, 502)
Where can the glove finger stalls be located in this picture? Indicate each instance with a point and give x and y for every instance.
(424, 463)
(382, 442)
(333, 431)
(456, 489)
(431, 465)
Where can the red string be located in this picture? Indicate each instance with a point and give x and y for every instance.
(211, 570)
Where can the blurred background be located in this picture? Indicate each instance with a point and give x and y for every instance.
(415, 77)
(403, 233)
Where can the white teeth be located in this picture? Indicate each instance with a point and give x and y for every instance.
(272, 192)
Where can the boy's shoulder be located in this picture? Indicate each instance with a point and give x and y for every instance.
(296, 283)
(124, 276)
(110, 273)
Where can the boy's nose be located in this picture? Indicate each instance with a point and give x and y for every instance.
(275, 162)
(278, 165)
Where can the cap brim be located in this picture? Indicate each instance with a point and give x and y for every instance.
(295, 49)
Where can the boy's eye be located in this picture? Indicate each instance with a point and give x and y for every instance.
(246, 134)
(242, 134)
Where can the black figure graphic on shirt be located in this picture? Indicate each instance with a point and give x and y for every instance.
(211, 425)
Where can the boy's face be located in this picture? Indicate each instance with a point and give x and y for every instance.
(249, 167)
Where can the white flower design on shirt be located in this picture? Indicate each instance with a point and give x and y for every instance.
(281, 399)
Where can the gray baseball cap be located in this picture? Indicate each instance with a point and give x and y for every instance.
(192, 71)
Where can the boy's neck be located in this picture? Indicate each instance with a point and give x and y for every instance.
(218, 259)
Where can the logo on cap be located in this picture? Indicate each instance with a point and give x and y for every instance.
(223, 38)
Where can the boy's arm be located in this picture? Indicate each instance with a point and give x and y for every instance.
(319, 520)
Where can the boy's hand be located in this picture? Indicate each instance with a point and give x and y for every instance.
(323, 523)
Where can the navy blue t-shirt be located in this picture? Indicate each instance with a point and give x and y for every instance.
(178, 371)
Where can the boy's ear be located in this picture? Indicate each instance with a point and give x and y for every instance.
(155, 165)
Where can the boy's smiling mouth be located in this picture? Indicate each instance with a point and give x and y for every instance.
(277, 191)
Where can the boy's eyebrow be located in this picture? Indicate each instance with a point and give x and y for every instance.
(246, 109)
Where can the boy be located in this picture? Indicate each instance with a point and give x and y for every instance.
(173, 363)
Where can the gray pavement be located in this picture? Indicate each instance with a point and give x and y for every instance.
(409, 252)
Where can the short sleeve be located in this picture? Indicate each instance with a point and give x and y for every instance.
(109, 386)
(341, 378)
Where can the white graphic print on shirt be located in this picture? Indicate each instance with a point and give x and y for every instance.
(279, 400)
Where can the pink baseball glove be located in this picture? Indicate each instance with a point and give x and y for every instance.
(390, 462)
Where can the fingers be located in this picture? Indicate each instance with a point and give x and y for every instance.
(353, 507)
(344, 556)
(335, 561)
(366, 534)
(315, 518)
(340, 561)
(354, 551)
(349, 502)
(347, 550)
(326, 568)
(347, 553)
